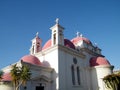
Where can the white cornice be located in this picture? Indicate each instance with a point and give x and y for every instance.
(63, 48)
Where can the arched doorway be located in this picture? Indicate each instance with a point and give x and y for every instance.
(39, 87)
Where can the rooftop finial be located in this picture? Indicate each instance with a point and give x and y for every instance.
(95, 44)
(57, 20)
(37, 34)
(78, 34)
(81, 35)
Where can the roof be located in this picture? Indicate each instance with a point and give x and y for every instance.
(6, 77)
(96, 61)
(77, 39)
(31, 59)
(67, 43)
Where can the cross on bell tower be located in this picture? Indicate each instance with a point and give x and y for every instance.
(36, 45)
(57, 35)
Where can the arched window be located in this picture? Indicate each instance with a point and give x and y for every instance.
(78, 75)
(75, 71)
(54, 36)
(73, 74)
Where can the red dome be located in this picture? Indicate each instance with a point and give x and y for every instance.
(6, 77)
(67, 43)
(31, 59)
(46, 63)
(96, 61)
(47, 44)
(75, 40)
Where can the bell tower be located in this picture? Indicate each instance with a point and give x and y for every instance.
(36, 45)
(57, 35)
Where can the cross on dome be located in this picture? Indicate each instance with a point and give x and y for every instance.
(79, 35)
(95, 44)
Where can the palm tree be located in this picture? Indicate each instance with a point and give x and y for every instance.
(112, 81)
(25, 75)
(15, 74)
(1, 74)
(20, 75)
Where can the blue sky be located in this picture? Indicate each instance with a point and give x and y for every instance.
(98, 20)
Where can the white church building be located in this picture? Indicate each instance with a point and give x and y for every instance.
(62, 64)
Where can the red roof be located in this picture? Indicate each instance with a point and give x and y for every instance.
(46, 63)
(96, 61)
(6, 77)
(77, 39)
(47, 44)
(31, 59)
(67, 43)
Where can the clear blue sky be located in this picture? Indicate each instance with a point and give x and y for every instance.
(98, 20)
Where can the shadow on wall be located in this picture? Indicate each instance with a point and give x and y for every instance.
(94, 79)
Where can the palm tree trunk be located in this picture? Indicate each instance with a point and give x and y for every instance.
(18, 86)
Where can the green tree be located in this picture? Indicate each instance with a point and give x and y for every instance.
(1, 74)
(112, 81)
(25, 75)
(20, 75)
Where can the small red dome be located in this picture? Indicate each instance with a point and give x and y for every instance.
(6, 77)
(67, 43)
(96, 61)
(77, 39)
(31, 59)
(46, 63)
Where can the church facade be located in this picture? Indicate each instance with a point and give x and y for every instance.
(62, 64)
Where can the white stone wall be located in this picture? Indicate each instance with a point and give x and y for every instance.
(98, 73)
(6, 86)
(65, 76)
(51, 56)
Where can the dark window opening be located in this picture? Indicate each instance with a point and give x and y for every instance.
(39, 87)
(78, 75)
(54, 39)
(73, 74)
